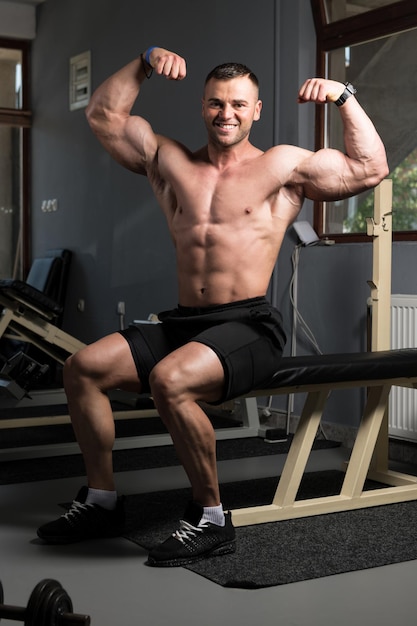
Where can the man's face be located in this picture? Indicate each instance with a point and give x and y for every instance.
(229, 109)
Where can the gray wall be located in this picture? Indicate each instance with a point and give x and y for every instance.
(108, 216)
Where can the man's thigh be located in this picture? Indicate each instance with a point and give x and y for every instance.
(247, 354)
(246, 351)
(193, 370)
(148, 345)
(109, 362)
(177, 356)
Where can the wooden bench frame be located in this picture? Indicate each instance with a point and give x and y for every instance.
(363, 462)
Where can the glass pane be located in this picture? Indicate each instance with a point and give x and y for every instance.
(340, 9)
(10, 78)
(10, 201)
(385, 74)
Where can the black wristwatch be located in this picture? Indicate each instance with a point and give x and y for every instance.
(349, 91)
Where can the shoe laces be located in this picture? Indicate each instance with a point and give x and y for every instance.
(186, 531)
(77, 508)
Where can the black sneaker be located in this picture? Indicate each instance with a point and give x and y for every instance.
(192, 542)
(84, 521)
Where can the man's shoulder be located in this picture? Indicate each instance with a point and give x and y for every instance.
(284, 150)
(286, 158)
(172, 149)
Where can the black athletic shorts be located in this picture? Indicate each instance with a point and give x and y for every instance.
(247, 336)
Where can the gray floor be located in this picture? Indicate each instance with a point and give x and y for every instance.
(109, 580)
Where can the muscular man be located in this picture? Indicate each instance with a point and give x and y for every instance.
(227, 206)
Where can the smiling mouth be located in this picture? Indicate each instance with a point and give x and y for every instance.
(225, 126)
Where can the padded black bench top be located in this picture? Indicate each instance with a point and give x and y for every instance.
(346, 367)
(19, 290)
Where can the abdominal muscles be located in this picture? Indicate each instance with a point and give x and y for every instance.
(219, 263)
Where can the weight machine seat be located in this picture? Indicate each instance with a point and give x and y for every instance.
(44, 274)
(18, 290)
(45, 285)
(59, 291)
(32, 310)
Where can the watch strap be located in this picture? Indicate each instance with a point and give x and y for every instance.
(349, 91)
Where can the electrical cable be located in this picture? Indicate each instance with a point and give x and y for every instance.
(298, 320)
(295, 257)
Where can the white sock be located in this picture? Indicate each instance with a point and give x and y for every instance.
(213, 514)
(105, 499)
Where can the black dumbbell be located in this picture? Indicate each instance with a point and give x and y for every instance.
(48, 605)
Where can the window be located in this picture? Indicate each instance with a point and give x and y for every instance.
(336, 10)
(14, 129)
(371, 43)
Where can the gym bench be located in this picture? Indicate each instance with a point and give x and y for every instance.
(317, 376)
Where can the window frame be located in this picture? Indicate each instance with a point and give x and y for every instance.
(22, 118)
(373, 24)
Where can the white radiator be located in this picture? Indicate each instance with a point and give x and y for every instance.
(403, 401)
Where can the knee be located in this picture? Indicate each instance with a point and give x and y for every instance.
(167, 385)
(75, 369)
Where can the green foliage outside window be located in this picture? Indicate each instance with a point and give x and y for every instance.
(404, 201)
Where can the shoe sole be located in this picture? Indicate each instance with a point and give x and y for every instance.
(225, 548)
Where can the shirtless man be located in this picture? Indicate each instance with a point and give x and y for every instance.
(227, 207)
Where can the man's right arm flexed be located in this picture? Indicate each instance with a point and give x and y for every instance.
(129, 138)
(331, 174)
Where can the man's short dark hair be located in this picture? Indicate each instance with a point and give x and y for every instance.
(227, 71)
